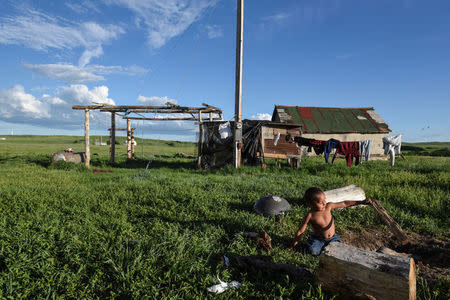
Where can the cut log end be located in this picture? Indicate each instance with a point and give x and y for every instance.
(352, 271)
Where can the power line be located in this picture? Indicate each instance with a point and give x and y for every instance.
(195, 50)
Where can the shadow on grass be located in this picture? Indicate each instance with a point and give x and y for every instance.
(159, 163)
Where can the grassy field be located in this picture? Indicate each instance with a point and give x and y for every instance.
(66, 232)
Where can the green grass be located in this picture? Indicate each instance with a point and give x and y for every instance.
(66, 232)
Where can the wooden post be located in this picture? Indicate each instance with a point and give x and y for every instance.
(238, 91)
(393, 226)
(210, 117)
(355, 272)
(112, 139)
(128, 139)
(200, 141)
(87, 150)
(132, 143)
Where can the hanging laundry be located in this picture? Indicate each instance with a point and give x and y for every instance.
(331, 144)
(392, 146)
(364, 149)
(318, 146)
(349, 150)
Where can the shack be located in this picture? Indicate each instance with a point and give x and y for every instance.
(343, 124)
(261, 140)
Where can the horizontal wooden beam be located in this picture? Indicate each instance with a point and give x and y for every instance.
(149, 109)
(122, 129)
(169, 119)
(165, 111)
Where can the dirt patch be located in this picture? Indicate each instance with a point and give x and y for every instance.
(432, 255)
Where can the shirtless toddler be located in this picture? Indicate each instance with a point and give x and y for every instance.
(321, 220)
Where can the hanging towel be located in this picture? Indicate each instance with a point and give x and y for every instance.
(392, 146)
(331, 144)
(349, 150)
(364, 149)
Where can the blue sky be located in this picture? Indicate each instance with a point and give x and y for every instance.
(392, 55)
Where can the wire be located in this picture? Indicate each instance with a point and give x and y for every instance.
(195, 50)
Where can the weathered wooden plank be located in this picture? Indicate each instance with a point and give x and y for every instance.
(352, 271)
(346, 193)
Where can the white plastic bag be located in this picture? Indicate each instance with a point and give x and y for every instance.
(223, 286)
(225, 130)
(277, 137)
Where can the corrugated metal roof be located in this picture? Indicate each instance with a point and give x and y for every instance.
(331, 119)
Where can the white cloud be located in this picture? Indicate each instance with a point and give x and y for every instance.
(15, 103)
(155, 101)
(214, 31)
(278, 17)
(262, 116)
(73, 74)
(84, 7)
(18, 106)
(43, 32)
(164, 19)
(79, 94)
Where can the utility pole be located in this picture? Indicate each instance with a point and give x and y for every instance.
(238, 91)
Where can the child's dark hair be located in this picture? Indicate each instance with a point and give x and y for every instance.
(311, 195)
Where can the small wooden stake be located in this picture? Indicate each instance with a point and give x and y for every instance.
(393, 226)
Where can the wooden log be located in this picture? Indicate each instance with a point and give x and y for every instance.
(264, 263)
(393, 226)
(128, 139)
(87, 147)
(112, 139)
(350, 192)
(200, 142)
(132, 143)
(353, 272)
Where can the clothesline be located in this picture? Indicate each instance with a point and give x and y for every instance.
(351, 150)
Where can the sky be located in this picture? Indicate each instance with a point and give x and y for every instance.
(390, 55)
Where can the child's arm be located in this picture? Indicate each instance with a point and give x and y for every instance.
(301, 229)
(348, 203)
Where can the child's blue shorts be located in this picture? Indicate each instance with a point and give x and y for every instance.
(315, 244)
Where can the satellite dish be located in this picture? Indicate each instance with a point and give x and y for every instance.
(271, 205)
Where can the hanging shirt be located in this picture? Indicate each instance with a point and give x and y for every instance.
(331, 144)
(364, 149)
(349, 150)
(392, 146)
(318, 145)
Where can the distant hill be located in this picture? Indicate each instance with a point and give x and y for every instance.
(427, 148)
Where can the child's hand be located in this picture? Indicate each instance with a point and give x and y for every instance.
(368, 201)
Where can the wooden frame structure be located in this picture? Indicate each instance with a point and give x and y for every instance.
(138, 112)
(130, 139)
